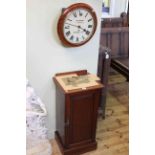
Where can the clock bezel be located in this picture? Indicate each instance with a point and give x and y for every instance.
(62, 18)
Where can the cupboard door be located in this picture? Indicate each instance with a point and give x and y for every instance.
(82, 111)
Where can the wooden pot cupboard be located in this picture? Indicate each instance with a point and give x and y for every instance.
(76, 116)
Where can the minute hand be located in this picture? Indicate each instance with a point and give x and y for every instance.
(77, 27)
(82, 28)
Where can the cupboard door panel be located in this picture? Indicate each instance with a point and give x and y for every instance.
(81, 118)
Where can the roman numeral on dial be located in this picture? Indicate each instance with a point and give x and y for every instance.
(86, 14)
(68, 33)
(71, 38)
(90, 19)
(87, 32)
(80, 13)
(90, 26)
(67, 27)
(69, 19)
(74, 14)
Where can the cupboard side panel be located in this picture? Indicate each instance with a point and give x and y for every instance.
(60, 109)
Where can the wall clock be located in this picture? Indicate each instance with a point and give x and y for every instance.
(77, 25)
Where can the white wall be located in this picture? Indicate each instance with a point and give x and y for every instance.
(45, 54)
(119, 7)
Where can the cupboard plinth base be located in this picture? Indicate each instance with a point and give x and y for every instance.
(75, 150)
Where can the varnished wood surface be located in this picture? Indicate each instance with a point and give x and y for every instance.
(122, 21)
(76, 118)
(80, 72)
(113, 132)
(62, 20)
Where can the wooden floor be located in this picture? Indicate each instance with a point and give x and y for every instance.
(113, 132)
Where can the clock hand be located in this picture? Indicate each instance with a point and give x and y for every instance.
(77, 27)
(82, 29)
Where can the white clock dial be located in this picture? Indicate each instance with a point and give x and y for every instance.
(78, 26)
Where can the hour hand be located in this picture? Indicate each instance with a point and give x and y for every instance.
(87, 32)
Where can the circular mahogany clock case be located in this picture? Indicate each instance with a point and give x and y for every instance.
(77, 25)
